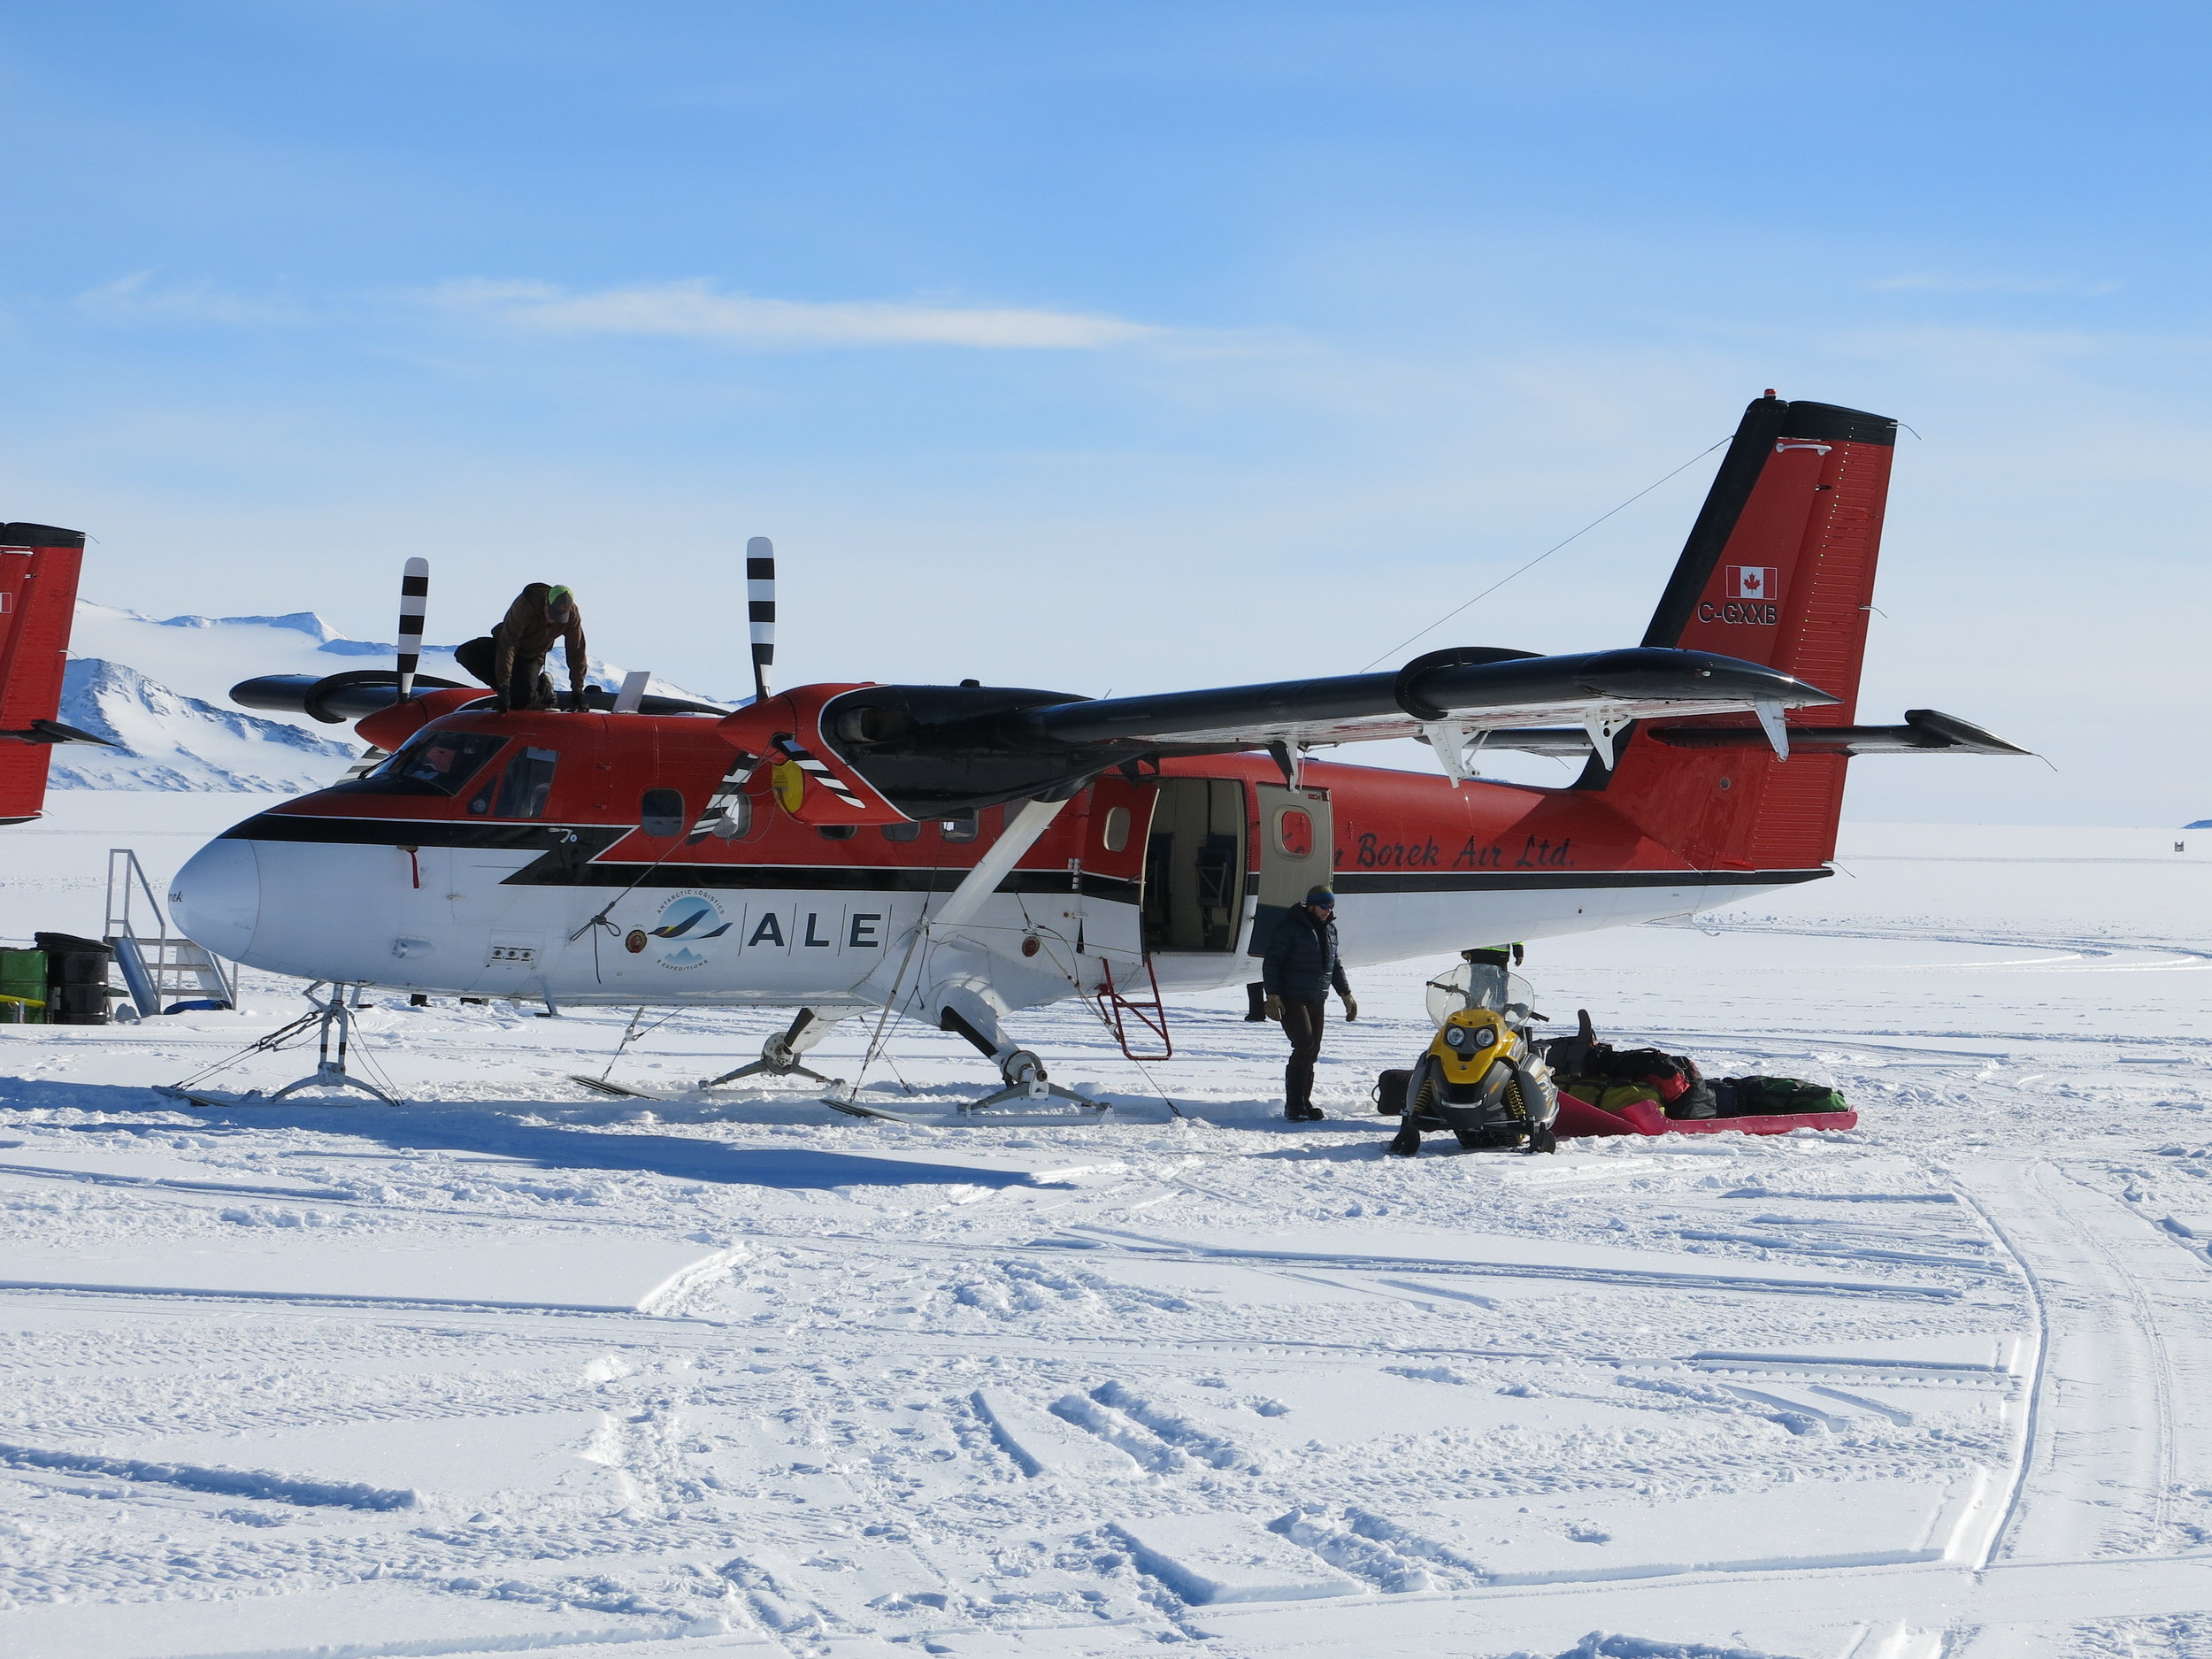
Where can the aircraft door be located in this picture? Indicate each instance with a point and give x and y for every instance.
(1115, 825)
(1297, 853)
(1194, 864)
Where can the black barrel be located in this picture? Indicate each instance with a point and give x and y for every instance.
(76, 978)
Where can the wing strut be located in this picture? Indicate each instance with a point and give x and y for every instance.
(995, 865)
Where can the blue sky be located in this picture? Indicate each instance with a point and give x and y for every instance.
(1131, 347)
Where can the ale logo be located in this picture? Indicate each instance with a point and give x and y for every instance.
(688, 920)
(1752, 581)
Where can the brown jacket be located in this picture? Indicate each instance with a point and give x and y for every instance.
(526, 631)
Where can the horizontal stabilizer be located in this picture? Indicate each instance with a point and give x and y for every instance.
(1925, 731)
(52, 731)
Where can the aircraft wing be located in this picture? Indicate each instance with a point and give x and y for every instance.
(930, 749)
(1477, 690)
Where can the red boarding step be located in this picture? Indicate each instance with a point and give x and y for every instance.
(1151, 1016)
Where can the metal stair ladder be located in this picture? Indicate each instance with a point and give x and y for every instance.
(158, 967)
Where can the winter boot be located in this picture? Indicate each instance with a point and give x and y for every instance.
(1256, 996)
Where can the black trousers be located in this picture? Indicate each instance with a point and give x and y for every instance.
(1302, 1020)
(526, 685)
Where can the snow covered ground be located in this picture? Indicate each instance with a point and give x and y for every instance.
(514, 1367)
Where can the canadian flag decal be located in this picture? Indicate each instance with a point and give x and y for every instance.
(1752, 581)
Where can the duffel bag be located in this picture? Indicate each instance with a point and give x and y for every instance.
(1616, 1096)
(1672, 1074)
(1775, 1097)
(1697, 1101)
(1389, 1092)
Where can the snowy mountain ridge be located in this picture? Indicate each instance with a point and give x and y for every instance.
(307, 622)
(165, 740)
(158, 688)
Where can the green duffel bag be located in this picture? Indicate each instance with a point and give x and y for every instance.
(1775, 1097)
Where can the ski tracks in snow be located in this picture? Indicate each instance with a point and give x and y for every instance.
(2125, 1341)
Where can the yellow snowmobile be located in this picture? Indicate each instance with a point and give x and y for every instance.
(1479, 1078)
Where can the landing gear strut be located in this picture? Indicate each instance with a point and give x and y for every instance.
(779, 1055)
(330, 1017)
(1022, 1072)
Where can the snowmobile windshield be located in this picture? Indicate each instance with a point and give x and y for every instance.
(1476, 985)
(434, 763)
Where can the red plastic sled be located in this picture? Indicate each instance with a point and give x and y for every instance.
(1647, 1118)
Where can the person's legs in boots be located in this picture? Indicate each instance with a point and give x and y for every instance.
(1303, 1021)
(527, 685)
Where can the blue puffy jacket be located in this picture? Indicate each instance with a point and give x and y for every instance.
(1302, 957)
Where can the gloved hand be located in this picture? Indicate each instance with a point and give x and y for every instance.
(1274, 1008)
(1351, 1008)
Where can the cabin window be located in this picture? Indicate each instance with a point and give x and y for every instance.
(961, 826)
(901, 831)
(432, 763)
(1294, 833)
(1115, 835)
(735, 819)
(523, 790)
(662, 812)
(837, 832)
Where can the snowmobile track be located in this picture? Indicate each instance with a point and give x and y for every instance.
(2099, 1461)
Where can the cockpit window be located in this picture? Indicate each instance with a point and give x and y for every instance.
(522, 790)
(432, 763)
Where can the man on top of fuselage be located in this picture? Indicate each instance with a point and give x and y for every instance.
(512, 658)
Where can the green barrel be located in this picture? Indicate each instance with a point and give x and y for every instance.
(23, 986)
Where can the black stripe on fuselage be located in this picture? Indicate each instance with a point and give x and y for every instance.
(1546, 881)
(393, 832)
(567, 848)
(548, 873)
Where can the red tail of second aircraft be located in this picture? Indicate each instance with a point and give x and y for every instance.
(38, 599)
(1778, 570)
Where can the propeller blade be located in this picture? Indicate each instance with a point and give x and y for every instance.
(760, 607)
(414, 600)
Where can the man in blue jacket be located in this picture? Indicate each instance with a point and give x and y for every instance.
(1299, 967)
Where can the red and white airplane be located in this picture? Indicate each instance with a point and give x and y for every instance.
(956, 854)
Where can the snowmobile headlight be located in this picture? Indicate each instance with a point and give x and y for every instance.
(1456, 1036)
(1482, 1036)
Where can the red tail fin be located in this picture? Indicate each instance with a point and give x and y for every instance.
(38, 600)
(1778, 569)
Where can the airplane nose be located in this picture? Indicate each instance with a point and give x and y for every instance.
(216, 898)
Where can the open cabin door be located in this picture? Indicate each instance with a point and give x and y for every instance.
(1194, 864)
(1296, 844)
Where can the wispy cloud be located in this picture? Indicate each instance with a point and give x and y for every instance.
(697, 311)
(1932, 283)
(139, 297)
